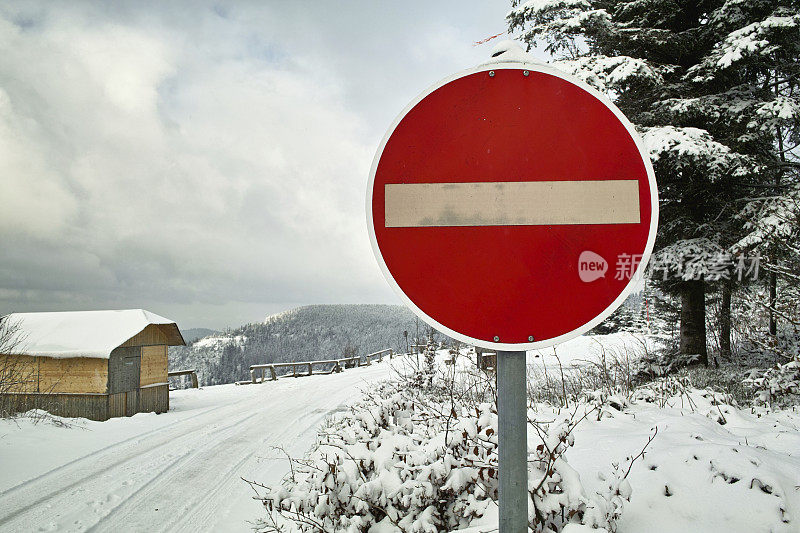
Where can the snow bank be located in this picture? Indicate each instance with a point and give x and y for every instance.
(712, 467)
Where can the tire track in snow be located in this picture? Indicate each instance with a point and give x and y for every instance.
(195, 510)
(133, 453)
(203, 509)
(188, 469)
(198, 509)
(111, 447)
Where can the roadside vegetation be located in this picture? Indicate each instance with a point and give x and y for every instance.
(419, 453)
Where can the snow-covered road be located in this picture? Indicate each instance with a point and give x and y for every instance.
(179, 471)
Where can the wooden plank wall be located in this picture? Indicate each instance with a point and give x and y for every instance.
(19, 373)
(46, 374)
(154, 355)
(148, 336)
(154, 365)
(116, 405)
(154, 399)
(76, 374)
(91, 406)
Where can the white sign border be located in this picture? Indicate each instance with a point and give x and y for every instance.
(535, 345)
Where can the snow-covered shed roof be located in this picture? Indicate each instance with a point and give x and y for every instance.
(85, 333)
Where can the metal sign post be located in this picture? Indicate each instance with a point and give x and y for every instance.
(512, 408)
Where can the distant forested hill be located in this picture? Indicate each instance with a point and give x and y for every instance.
(192, 334)
(307, 333)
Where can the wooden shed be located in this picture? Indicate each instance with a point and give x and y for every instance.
(92, 364)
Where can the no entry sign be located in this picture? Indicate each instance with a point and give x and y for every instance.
(511, 207)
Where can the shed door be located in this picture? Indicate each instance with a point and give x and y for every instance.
(130, 372)
(123, 369)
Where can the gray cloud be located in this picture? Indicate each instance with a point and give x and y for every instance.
(206, 162)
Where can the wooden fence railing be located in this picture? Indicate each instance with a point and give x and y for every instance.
(190, 373)
(379, 355)
(300, 368)
(350, 362)
(306, 368)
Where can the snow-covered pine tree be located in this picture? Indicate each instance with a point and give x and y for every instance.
(695, 77)
(762, 48)
(748, 98)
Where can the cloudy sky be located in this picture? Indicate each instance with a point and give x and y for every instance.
(206, 161)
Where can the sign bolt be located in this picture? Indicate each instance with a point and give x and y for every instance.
(491, 74)
(525, 72)
(530, 338)
(496, 338)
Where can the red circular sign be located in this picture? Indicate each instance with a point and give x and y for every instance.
(512, 207)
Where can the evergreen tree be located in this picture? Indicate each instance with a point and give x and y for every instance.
(762, 46)
(711, 85)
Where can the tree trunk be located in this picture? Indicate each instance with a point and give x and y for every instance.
(773, 278)
(773, 300)
(693, 320)
(725, 321)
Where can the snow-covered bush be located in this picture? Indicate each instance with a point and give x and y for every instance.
(777, 386)
(751, 323)
(678, 392)
(415, 460)
(557, 495)
(662, 389)
(419, 374)
(429, 366)
(606, 402)
(664, 362)
(393, 462)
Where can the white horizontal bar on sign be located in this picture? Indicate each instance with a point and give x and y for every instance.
(513, 203)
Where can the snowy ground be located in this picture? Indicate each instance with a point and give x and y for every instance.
(178, 471)
(585, 348)
(697, 475)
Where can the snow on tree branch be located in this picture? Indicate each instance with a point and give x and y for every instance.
(754, 40)
(685, 147)
(612, 73)
(771, 219)
(555, 22)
